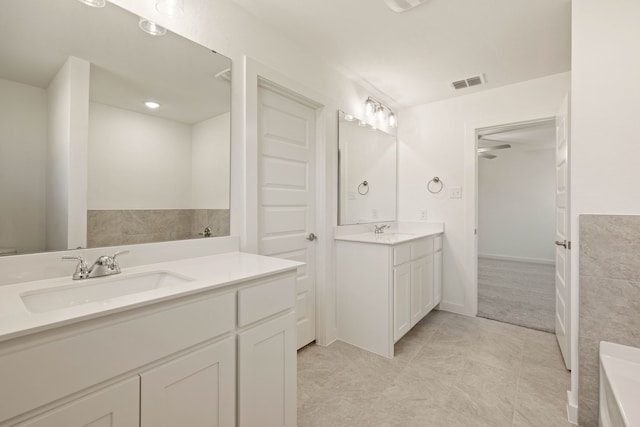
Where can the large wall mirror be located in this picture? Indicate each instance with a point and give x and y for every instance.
(84, 162)
(367, 167)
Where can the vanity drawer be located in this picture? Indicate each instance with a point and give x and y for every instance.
(266, 298)
(401, 254)
(64, 361)
(422, 247)
(437, 243)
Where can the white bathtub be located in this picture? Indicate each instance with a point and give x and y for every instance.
(619, 385)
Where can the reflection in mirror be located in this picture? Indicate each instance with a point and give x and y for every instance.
(367, 167)
(83, 161)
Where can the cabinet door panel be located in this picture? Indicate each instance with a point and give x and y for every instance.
(267, 374)
(437, 278)
(401, 301)
(418, 285)
(115, 406)
(197, 389)
(427, 286)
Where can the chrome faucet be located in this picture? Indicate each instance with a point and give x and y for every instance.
(379, 229)
(105, 265)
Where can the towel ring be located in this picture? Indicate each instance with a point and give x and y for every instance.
(435, 180)
(363, 188)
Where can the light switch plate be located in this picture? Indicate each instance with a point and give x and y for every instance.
(455, 193)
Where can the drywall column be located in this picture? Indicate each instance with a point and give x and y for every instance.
(68, 105)
(605, 102)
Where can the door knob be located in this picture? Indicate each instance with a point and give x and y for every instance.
(311, 237)
(562, 243)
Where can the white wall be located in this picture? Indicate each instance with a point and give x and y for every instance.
(137, 161)
(605, 106)
(369, 156)
(210, 164)
(66, 195)
(516, 204)
(437, 139)
(23, 148)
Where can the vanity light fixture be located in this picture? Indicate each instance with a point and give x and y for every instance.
(362, 123)
(393, 121)
(94, 3)
(152, 104)
(374, 107)
(151, 27)
(170, 7)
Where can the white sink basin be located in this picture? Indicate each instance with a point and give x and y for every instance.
(85, 291)
(619, 385)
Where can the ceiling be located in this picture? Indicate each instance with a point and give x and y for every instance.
(128, 67)
(527, 137)
(412, 57)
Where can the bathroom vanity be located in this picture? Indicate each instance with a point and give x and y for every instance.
(386, 283)
(199, 341)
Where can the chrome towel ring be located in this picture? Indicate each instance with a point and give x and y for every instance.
(363, 188)
(435, 180)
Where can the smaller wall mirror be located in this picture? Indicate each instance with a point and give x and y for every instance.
(367, 160)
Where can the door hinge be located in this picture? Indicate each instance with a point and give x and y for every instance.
(569, 245)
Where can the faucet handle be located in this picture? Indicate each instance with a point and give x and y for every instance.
(114, 262)
(122, 252)
(82, 269)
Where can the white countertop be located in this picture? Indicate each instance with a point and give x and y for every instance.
(207, 272)
(388, 237)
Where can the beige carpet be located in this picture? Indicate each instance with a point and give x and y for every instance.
(519, 293)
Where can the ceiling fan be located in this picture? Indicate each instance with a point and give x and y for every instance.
(484, 151)
(402, 5)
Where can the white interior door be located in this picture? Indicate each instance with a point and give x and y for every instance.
(563, 245)
(286, 131)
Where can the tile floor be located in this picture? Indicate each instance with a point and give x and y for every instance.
(449, 370)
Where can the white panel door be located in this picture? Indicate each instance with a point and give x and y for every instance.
(401, 301)
(115, 406)
(563, 252)
(267, 374)
(197, 389)
(286, 203)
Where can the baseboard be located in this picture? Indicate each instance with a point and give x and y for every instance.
(455, 308)
(519, 259)
(572, 410)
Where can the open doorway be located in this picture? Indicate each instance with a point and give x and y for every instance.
(517, 223)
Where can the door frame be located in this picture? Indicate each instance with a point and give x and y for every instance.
(255, 75)
(471, 199)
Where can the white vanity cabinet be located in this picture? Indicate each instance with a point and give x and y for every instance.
(385, 286)
(114, 406)
(222, 357)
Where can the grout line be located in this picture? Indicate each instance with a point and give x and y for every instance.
(515, 401)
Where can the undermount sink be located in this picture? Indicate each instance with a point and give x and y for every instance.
(86, 291)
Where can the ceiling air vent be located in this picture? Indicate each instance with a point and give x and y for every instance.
(469, 82)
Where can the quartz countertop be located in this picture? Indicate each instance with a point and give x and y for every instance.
(391, 237)
(205, 273)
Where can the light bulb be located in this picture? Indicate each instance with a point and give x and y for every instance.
(151, 27)
(362, 123)
(170, 7)
(393, 121)
(380, 114)
(369, 107)
(151, 104)
(349, 117)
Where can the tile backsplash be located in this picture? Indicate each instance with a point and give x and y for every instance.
(121, 227)
(609, 297)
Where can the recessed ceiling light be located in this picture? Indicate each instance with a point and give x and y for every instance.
(151, 27)
(94, 3)
(151, 104)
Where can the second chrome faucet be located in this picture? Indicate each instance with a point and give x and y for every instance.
(105, 265)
